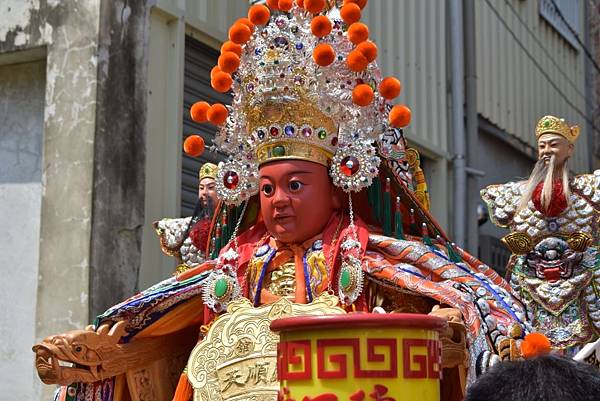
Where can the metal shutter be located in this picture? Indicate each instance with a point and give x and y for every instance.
(199, 60)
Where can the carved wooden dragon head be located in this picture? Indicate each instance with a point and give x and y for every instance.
(78, 355)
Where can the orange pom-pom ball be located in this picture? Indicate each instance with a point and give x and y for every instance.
(259, 14)
(214, 70)
(362, 95)
(286, 5)
(320, 26)
(390, 87)
(300, 3)
(221, 81)
(360, 3)
(350, 13)
(217, 114)
(229, 62)
(273, 4)
(229, 46)
(400, 116)
(368, 49)
(246, 22)
(323, 55)
(535, 344)
(358, 32)
(239, 33)
(356, 61)
(314, 6)
(198, 111)
(193, 145)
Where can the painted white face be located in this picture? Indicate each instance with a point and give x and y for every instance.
(554, 145)
(206, 190)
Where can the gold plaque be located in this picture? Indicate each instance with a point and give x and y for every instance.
(237, 360)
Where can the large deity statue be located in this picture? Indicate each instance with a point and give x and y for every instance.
(553, 219)
(315, 200)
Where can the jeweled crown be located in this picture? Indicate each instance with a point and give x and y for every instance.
(305, 86)
(208, 170)
(555, 125)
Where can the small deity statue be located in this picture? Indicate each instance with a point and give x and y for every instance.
(313, 213)
(188, 238)
(553, 219)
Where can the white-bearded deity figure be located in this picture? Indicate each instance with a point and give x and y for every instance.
(553, 219)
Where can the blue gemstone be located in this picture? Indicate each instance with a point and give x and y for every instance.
(290, 130)
(261, 134)
(257, 51)
(299, 46)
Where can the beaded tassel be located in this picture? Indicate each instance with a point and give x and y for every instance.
(398, 229)
(225, 227)
(425, 235)
(413, 222)
(387, 209)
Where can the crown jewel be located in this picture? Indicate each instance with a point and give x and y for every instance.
(555, 125)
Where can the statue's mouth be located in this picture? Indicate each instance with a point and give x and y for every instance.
(48, 367)
(54, 370)
(553, 270)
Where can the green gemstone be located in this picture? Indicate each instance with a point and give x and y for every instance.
(322, 134)
(345, 278)
(221, 287)
(278, 151)
(546, 123)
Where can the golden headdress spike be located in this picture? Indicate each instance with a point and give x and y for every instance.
(555, 125)
(208, 170)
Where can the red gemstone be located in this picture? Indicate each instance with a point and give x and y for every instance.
(334, 141)
(274, 131)
(231, 180)
(349, 165)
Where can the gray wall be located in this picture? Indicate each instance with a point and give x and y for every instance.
(54, 254)
(22, 88)
(501, 163)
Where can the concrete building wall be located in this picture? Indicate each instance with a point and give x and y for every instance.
(63, 36)
(411, 37)
(22, 88)
(527, 69)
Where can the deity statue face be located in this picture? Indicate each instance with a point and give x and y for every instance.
(554, 145)
(207, 190)
(297, 199)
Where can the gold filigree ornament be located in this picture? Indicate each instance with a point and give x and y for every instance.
(579, 241)
(518, 243)
(237, 359)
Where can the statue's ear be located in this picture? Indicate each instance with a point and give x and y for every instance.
(571, 149)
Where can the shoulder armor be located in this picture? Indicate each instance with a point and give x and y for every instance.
(588, 186)
(171, 233)
(502, 201)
